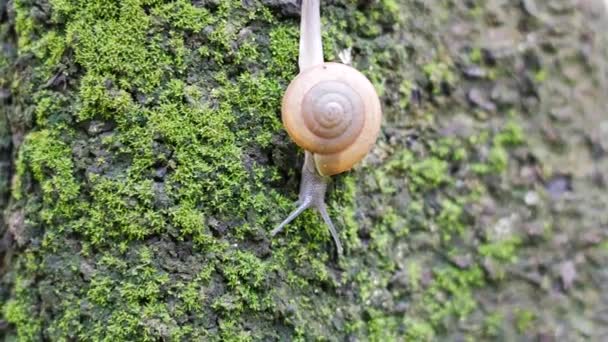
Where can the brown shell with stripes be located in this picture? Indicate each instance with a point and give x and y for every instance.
(333, 111)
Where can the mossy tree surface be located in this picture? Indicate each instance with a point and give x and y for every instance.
(144, 164)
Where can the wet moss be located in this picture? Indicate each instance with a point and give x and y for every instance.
(524, 319)
(44, 154)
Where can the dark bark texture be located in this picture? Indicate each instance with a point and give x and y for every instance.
(143, 164)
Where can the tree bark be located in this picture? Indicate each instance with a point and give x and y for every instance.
(143, 165)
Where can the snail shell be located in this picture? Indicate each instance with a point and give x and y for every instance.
(333, 111)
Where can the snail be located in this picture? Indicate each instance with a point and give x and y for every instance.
(333, 112)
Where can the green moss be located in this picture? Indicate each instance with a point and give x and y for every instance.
(510, 136)
(450, 294)
(50, 163)
(18, 311)
(121, 211)
(347, 211)
(450, 219)
(437, 73)
(498, 159)
(183, 15)
(25, 25)
(244, 274)
(476, 55)
(504, 250)
(117, 44)
(191, 223)
(50, 48)
(429, 173)
(492, 324)
(405, 90)
(414, 272)
(382, 328)
(524, 319)
(156, 227)
(100, 290)
(540, 76)
(284, 49)
(419, 330)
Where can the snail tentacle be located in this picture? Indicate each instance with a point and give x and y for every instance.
(312, 195)
(295, 213)
(332, 229)
(311, 44)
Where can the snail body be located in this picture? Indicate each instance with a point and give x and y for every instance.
(333, 112)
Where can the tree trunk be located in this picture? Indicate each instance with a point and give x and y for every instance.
(143, 165)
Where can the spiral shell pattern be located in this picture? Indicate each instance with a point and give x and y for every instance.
(333, 111)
